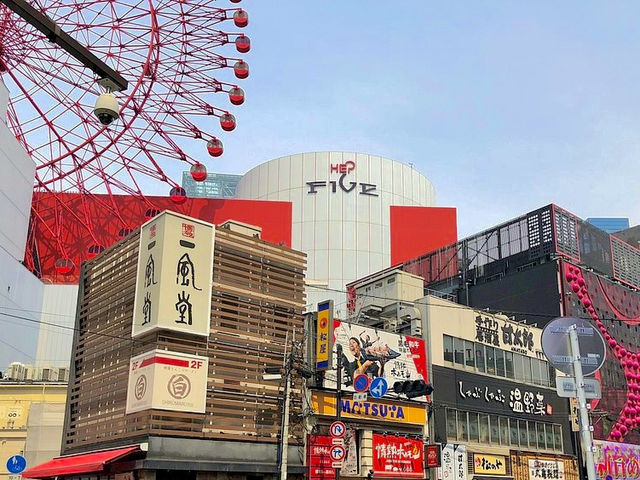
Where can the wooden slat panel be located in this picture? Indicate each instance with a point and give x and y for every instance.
(257, 299)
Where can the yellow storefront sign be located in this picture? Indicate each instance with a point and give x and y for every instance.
(489, 464)
(380, 410)
(323, 335)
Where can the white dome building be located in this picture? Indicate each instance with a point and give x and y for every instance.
(341, 212)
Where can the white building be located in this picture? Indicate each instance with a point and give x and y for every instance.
(341, 212)
(29, 310)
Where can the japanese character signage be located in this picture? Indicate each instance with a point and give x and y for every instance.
(324, 335)
(432, 455)
(546, 469)
(375, 353)
(506, 335)
(175, 271)
(397, 456)
(489, 464)
(453, 462)
(166, 380)
(519, 400)
(616, 461)
(343, 182)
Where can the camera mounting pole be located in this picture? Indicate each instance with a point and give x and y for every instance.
(109, 78)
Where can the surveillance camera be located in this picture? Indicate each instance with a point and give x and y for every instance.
(106, 108)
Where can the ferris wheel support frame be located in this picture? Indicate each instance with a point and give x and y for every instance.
(108, 77)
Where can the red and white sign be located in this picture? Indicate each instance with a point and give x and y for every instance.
(397, 456)
(319, 459)
(337, 429)
(337, 453)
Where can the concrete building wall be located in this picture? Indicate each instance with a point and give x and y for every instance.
(44, 432)
(20, 291)
(57, 322)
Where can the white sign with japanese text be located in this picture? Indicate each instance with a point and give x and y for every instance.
(453, 462)
(543, 469)
(166, 380)
(460, 453)
(518, 400)
(174, 276)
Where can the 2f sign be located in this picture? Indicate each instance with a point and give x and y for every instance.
(197, 364)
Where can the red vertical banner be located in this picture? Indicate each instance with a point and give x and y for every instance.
(397, 456)
(432, 455)
(318, 458)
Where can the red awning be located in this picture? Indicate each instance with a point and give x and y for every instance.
(83, 463)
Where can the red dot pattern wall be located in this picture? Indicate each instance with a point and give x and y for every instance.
(615, 311)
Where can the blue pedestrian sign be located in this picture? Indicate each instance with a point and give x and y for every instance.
(378, 387)
(16, 464)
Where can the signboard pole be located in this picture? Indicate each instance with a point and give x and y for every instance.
(585, 432)
(339, 390)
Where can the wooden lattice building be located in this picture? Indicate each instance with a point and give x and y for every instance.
(257, 300)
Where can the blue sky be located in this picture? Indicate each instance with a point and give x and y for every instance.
(504, 106)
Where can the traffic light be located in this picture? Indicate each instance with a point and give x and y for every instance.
(413, 388)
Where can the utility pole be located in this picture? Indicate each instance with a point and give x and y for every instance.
(284, 429)
(339, 390)
(585, 428)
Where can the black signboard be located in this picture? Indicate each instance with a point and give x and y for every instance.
(481, 393)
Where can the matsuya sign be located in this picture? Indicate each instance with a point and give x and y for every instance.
(174, 276)
(343, 183)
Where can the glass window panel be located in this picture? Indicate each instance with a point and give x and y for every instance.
(549, 437)
(504, 430)
(508, 365)
(458, 346)
(518, 366)
(504, 241)
(500, 363)
(494, 429)
(535, 371)
(451, 424)
(463, 430)
(480, 357)
(448, 348)
(522, 433)
(473, 427)
(557, 435)
(468, 354)
(513, 431)
(544, 373)
(526, 363)
(484, 428)
(541, 436)
(552, 376)
(532, 434)
(490, 358)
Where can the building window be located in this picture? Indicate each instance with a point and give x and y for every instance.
(480, 357)
(541, 436)
(484, 428)
(463, 430)
(504, 430)
(526, 362)
(458, 345)
(448, 348)
(469, 358)
(500, 363)
(451, 424)
(491, 360)
(523, 434)
(508, 365)
(518, 365)
(557, 435)
(473, 427)
(513, 432)
(494, 430)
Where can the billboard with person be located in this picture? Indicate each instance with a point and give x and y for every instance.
(376, 353)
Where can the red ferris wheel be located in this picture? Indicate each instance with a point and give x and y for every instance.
(170, 52)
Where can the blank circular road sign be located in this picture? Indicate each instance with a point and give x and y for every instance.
(556, 346)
